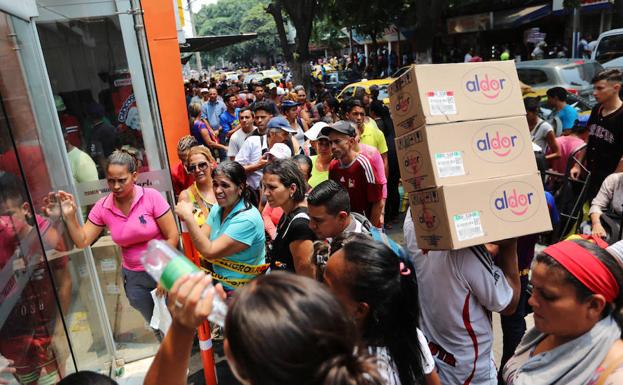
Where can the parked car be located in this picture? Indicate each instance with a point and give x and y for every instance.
(248, 78)
(364, 86)
(339, 79)
(575, 75)
(400, 71)
(316, 71)
(272, 74)
(609, 46)
(614, 63)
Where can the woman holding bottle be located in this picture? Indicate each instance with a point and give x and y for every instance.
(232, 237)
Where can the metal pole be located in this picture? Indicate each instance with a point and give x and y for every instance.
(350, 41)
(194, 28)
(576, 33)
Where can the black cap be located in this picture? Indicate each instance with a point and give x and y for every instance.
(345, 127)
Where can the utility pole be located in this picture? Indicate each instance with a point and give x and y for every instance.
(194, 28)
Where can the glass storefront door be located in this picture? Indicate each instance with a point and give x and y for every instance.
(46, 285)
(73, 88)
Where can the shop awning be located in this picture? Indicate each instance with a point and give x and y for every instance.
(209, 43)
(516, 17)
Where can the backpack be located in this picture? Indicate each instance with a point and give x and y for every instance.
(379, 236)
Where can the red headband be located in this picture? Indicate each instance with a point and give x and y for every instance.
(586, 267)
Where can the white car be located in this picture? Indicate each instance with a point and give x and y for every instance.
(609, 46)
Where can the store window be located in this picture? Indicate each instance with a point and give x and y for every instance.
(46, 288)
(96, 73)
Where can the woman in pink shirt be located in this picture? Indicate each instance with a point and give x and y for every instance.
(134, 215)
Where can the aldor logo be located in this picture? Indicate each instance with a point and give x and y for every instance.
(403, 103)
(412, 162)
(498, 143)
(515, 201)
(487, 85)
(427, 218)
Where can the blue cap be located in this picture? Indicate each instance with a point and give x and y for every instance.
(281, 123)
(288, 103)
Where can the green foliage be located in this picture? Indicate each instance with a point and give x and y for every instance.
(229, 17)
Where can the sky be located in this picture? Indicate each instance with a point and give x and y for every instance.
(196, 4)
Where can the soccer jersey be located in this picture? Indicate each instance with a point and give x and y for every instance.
(359, 180)
(458, 289)
(605, 146)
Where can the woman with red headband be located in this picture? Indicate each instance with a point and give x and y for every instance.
(577, 302)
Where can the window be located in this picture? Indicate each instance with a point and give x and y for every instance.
(531, 76)
(383, 94)
(610, 47)
(580, 74)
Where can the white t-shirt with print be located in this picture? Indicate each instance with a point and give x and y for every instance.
(236, 141)
(387, 367)
(250, 153)
(457, 290)
(539, 134)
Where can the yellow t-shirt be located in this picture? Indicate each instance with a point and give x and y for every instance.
(317, 177)
(372, 136)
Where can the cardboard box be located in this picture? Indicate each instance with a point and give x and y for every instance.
(442, 154)
(443, 93)
(457, 216)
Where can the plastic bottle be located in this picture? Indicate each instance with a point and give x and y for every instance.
(166, 265)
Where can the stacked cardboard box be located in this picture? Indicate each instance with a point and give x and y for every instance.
(465, 154)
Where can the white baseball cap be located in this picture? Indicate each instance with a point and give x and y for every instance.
(616, 249)
(314, 132)
(280, 151)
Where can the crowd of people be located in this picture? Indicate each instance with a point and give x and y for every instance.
(286, 201)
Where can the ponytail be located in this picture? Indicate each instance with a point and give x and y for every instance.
(378, 277)
(347, 369)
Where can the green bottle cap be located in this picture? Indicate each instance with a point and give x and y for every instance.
(177, 268)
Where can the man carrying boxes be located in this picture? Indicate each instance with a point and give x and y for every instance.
(466, 159)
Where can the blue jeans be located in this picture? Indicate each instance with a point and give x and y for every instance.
(138, 286)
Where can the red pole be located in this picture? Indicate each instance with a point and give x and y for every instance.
(205, 336)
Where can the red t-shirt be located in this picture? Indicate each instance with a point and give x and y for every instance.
(181, 179)
(359, 180)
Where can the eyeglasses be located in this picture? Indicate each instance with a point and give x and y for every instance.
(199, 166)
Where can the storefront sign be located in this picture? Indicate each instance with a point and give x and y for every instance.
(534, 35)
(469, 23)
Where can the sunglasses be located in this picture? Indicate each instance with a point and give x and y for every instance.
(199, 166)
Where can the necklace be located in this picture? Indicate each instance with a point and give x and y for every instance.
(201, 196)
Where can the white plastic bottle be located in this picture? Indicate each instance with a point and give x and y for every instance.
(166, 265)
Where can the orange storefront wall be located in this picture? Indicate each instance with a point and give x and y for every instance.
(164, 53)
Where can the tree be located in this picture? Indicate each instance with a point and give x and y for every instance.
(428, 16)
(238, 16)
(301, 14)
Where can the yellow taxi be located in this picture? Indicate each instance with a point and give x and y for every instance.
(364, 87)
(272, 74)
(317, 70)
